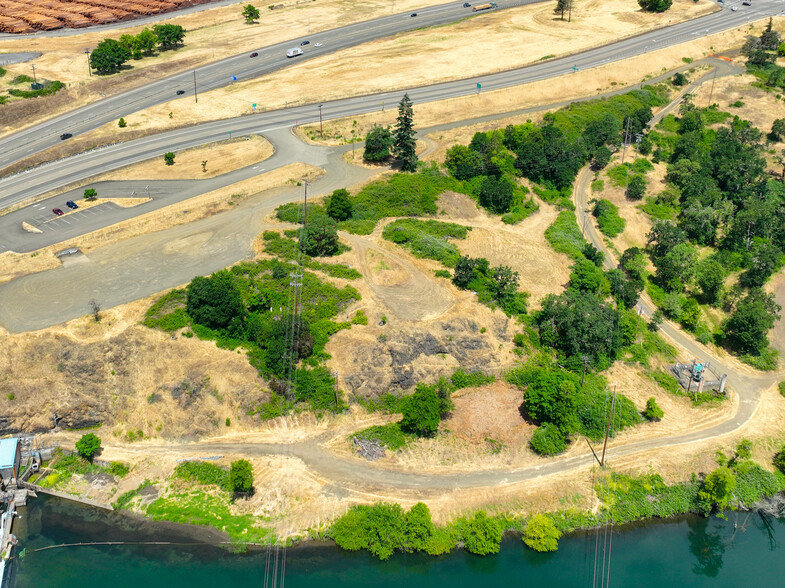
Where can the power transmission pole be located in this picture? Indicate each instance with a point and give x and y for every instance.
(711, 92)
(608, 428)
(196, 97)
(321, 129)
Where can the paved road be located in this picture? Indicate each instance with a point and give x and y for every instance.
(30, 183)
(8, 58)
(16, 147)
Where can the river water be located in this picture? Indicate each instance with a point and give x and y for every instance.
(747, 549)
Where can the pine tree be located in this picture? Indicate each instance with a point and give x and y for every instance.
(404, 146)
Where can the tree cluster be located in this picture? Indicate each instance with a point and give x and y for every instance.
(655, 5)
(111, 54)
(497, 285)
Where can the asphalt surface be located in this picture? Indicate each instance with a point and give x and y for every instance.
(8, 58)
(19, 145)
(39, 180)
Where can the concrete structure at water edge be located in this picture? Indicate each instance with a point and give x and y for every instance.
(10, 456)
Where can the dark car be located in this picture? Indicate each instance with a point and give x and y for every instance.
(305, 43)
(57, 211)
(180, 92)
(466, 5)
(414, 14)
(254, 54)
(65, 136)
(72, 205)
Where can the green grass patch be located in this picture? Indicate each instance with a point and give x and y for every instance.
(126, 498)
(608, 219)
(669, 124)
(463, 379)
(669, 383)
(428, 239)
(559, 198)
(390, 435)
(198, 508)
(202, 472)
(48, 89)
(659, 211)
(565, 236)
(767, 361)
(286, 247)
(168, 312)
(598, 185)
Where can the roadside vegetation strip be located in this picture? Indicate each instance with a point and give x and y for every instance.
(608, 219)
(428, 239)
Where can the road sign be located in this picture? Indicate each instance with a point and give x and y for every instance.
(574, 68)
(479, 85)
(253, 105)
(234, 78)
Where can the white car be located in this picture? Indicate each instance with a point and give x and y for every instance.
(734, 8)
(317, 45)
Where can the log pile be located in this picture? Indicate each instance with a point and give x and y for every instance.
(28, 16)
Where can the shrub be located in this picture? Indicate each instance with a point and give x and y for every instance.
(482, 535)
(88, 446)
(652, 411)
(608, 219)
(90, 194)
(779, 460)
(548, 440)
(381, 529)
(390, 435)
(202, 472)
(240, 478)
(169, 158)
(339, 207)
(121, 123)
(321, 237)
(427, 239)
(421, 412)
(541, 534)
(636, 188)
(377, 144)
(118, 469)
(781, 387)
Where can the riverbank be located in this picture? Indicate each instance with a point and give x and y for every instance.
(685, 551)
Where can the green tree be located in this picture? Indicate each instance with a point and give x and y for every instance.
(547, 439)
(676, 268)
(781, 50)
(404, 143)
(652, 411)
(483, 535)
(496, 194)
(769, 38)
(679, 79)
(746, 328)
(381, 529)
(121, 123)
(710, 276)
(378, 143)
(551, 398)
(462, 162)
(656, 320)
(718, 488)
(766, 258)
(90, 194)
(147, 41)
(339, 207)
(421, 411)
(777, 130)
(419, 527)
(541, 534)
(586, 277)
(601, 158)
(593, 254)
(250, 13)
(131, 43)
(321, 237)
(634, 264)
(744, 449)
(240, 476)
(169, 35)
(562, 6)
(636, 187)
(108, 56)
(169, 158)
(504, 282)
(88, 446)
(215, 301)
(655, 5)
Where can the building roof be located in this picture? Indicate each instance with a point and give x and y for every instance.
(8, 452)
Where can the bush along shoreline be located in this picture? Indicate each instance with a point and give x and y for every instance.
(738, 483)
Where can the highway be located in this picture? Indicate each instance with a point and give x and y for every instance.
(17, 146)
(42, 179)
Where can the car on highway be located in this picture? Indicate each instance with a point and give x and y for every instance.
(57, 211)
(304, 43)
(180, 92)
(734, 8)
(65, 136)
(414, 14)
(467, 5)
(294, 52)
(72, 205)
(254, 54)
(317, 44)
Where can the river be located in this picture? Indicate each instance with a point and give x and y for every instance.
(690, 551)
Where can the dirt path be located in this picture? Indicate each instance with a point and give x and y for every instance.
(416, 298)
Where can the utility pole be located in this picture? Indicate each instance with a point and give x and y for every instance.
(711, 92)
(626, 140)
(321, 128)
(305, 208)
(35, 79)
(87, 55)
(569, 18)
(196, 97)
(608, 428)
